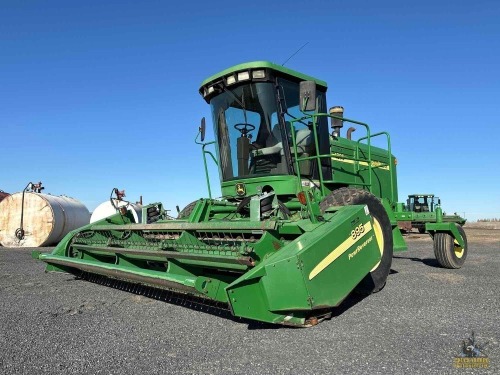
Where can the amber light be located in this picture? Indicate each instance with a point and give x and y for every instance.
(302, 198)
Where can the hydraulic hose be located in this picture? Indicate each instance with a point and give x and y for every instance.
(20, 231)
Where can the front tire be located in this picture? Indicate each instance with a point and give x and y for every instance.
(448, 252)
(376, 279)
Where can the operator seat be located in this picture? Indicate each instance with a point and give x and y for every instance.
(303, 137)
(305, 147)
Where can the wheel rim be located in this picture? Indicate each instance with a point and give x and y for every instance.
(379, 236)
(459, 250)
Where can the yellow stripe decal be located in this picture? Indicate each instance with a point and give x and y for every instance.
(375, 164)
(341, 249)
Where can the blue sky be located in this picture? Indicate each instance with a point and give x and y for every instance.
(103, 94)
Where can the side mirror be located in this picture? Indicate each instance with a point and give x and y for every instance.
(202, 129)
(308, 96)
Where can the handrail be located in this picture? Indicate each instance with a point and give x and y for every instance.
(204, 152)
(319, 157)
(389, 152)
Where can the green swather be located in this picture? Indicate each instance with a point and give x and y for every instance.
(307, 216)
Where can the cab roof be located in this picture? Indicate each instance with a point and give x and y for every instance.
(264, 65)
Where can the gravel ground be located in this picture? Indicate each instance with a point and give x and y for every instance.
(54, 323)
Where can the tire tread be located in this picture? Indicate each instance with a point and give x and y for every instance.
(444, 250)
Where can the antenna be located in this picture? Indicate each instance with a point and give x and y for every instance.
(294, 54)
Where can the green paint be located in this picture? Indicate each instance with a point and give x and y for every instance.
(423, 209)
(450, 228)
(256, 65)
(259, 249)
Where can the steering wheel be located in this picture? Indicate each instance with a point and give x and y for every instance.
(244, 128)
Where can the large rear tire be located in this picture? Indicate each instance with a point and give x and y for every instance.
(186, 211)
(448, 252)
(376, 279)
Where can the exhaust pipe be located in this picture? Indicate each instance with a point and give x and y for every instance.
(349, 132)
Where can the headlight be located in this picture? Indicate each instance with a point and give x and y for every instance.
(258, 74)
(243, 76)
(230, 80)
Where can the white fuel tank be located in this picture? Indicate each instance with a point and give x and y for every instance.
(106, 209)
(46, 219)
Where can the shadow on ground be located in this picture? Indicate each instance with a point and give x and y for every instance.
(431, 262)
(211, 307)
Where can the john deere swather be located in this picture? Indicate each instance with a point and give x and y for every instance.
(424, 208)
(306, 217)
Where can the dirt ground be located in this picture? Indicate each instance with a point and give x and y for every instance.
(481, 234)
(475, 233)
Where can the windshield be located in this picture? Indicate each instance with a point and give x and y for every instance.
(422, 203)
(247, 131)
(249, 135)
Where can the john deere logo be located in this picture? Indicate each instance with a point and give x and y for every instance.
(240, 189)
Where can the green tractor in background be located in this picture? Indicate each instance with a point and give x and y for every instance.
(306, 216)
(425, 208)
